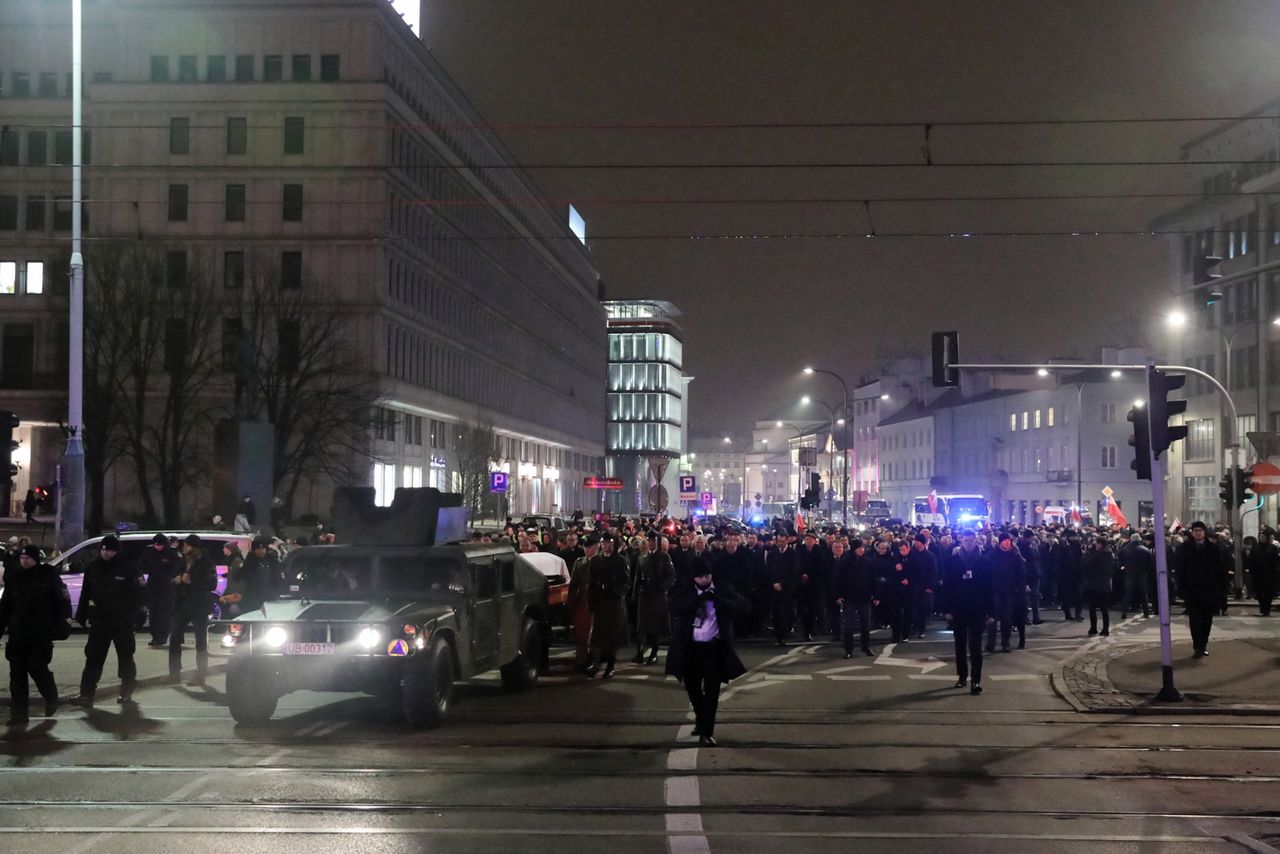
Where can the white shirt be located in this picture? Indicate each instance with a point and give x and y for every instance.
(707, 628)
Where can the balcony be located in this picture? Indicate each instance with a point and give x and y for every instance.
(1059, 476)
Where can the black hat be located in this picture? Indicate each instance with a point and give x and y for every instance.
(110, 541)
(1198, 524)
(922, 538)
(591, 540)
(652, 535)
(159, 540)
(192, 540)
(261, 542)
(606, 537)
(32, 552)
(1005, 535)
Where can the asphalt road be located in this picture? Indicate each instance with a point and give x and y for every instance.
(869, 754)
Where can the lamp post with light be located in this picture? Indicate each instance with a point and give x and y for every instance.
(71, 476)
(805, 401)
(844, 440)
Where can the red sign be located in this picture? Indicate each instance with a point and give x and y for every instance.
(602, 482)
(1264, 478)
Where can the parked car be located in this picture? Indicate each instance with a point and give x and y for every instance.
(546, 523)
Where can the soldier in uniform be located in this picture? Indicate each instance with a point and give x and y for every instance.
(35, 610)
(607, 584)
(109, 604)
(159, 564)
(1202, 573)
(655, 575)
(195, 584)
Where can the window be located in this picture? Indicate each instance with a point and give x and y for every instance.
(329, 65)
(1246, 424)
(35, 213)
(1039, 458)
(384, 484)
(294, 135)
(35, 277)
(175, 268)
(1108, 413)
(175, 345)
(1108, 456)
(273, 68)
(237, 135)
(48, 85)
(290, 340)
(37, 148)
(186, 69)
(177, 203)
(412, 476)
(9, 141)
(1200, 493)
(98, 77)
(8, 213)
(1049, 416)
(293, 203)
(180, 136)
(232, 334)
(235, 203)
(62, 148)
(300, 71)
(1199, 444)
(62, 213)
(8, 277)
(159, 69)
(21, 84)
(216, 69)
(290, 270)
(1026, 421)
(1013, 421)
(233, 270)
(244, 68)
(1037, 419)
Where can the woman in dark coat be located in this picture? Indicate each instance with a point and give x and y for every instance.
(702, 654)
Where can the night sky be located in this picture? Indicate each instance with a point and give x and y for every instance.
(757, 310)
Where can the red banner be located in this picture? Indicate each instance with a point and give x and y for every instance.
(602, 482)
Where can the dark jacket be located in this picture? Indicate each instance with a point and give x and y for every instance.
(34, 601)
(1261, 563)
(854, 579)
(923, 568)
(159, 567)
(1201, 573)
(968, 592)
(1030, 551)
(1008, 571)
(111, 595)
(608, 581)
(654, 577)
(735, 569)
(784, 568)
(1138, 562)
(196, 598)
(260, 576)
(1097, 571)
(686, 603)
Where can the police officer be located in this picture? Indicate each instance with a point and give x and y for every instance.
(35, 609)
(195, 583)
(109, 604)
(159, 564)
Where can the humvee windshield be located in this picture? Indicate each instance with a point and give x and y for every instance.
(333, 575)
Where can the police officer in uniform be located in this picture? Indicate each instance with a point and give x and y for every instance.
(109, 604)
(159, 564)
(35, 609)
(195, 583)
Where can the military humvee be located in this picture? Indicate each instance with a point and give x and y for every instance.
(401, 621)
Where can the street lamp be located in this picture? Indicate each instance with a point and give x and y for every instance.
(71, 479)
(806, 400)
(844, 441)
(1176, 319)
(1115, 375)
(1042, 372)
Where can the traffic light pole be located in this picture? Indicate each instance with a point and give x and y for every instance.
(1167, 693)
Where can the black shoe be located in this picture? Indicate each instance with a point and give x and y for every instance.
(975, 688)
(906, 640)
(960, 683)
(158, 644)
(920, 636)
(707, 741)
(84, 701)
(1004, 648)
(782, 643)
(637, 659)
(125, 699)
(590, 671)
(1106, 633)
(1036, 622)
(808, 638)
(608, 674)
(696, 730)
(50, 707)
(197, 682)
(866, 650)
(1092, 632)
(173, 679)
(1022, 644)
(17, 720)
(653, 659)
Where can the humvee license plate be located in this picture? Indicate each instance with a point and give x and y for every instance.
(308, 649)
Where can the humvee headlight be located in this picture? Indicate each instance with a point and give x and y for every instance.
(369, 638)
(228, 640)
(419, 643)
(276, 637)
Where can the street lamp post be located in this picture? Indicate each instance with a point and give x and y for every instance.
(843, 423)
(844, 442)
(72, 477)
(742, 497)
(800, 431)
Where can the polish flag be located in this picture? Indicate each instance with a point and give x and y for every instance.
(799, 523)
(1075, 515)
(1113, 510)
(933, 501)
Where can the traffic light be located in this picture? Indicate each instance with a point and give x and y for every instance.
(1160, 409)
(8, 468)
(1242, 478)
(1226, 491)
(946, 352)
(1234, 487)
(1204, 268)
(1140, 441)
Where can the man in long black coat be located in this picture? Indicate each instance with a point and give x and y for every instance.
(854, 585)
(702, 653)
(109, 603)
(159, 564)
(34, 610)
(1009, 583)
(969, 602)
(784, 573)
(1262, 564)
(1201, 574)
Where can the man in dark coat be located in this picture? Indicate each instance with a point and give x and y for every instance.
(733, 566)
(702, 654)
(1097, 576)
(1009, 583)
(783, 570)
(109, 603)
(922, 567)
(1067, 559)
(854, 584)
(159, 564)
(809, 583)
(194, 586)
(1029, 548)
(35, 609)
(608, 581)
(969, 602)
(654, 577)
(1262, 565)
(1136, 566)
(571, 551)
(1201, 574)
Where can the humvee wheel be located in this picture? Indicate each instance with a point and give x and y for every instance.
(251, 695)
(521, 673)
(428, 687)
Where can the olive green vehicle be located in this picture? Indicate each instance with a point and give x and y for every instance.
(400, 622)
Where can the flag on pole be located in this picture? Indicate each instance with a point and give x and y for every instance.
(933, 501)
(1113, 510)
(799, 523)
(1075, 514)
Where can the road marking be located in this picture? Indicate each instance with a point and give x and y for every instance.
(886, 657)
(683, 759)
(839, 678)
(329, 729)
(934, 677)
(682, 791)
(788, 677)
(1012, 676)
(846, 669)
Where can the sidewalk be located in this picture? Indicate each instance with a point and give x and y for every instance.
(153, 667)
(1240, 676)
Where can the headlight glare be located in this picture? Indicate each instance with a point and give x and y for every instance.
(276, 637)
(369, 638)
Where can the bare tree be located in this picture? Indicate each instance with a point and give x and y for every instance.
(300, 372)
(475, 448)
(104, 357)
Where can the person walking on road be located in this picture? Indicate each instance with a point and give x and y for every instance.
(109, 603)
(579, 608)
(195, 584)
(1137, 565)
(969, 595)
(702, 653)
(655, 576)
(784, 574)
(1009, 582)
(1261, 565)
(855, 582)
(1201, 574)
(922, 566)
(607, 584)
(1098, 571)
(159, 564)
(35, 610)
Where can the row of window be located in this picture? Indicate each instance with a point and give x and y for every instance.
(1031, 420)
(646, 407)
(645, 347)
(37, 148)
(244, 68)
(903, 471)
(31, 213)
(235, 203)
(237, 135)
(233, 269)
(21, 277)
(1053, 458)
(897, 441)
